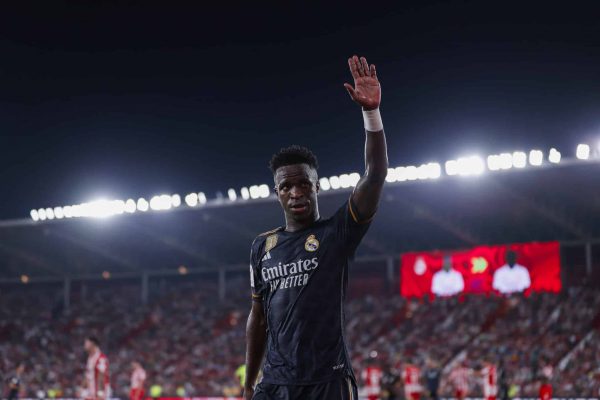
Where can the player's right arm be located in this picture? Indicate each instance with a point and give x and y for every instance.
(256, 327)
(256, 341)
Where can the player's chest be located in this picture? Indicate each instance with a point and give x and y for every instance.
(284, 247)
(291, 261)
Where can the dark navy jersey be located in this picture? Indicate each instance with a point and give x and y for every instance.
(301, 278)
(432, 378)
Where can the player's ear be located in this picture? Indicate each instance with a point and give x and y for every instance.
(317, 187)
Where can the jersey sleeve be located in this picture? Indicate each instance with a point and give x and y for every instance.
(257, 284)
(351, 227)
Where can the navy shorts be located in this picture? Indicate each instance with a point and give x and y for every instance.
(342, 388)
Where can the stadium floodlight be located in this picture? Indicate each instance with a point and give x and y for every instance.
(398, 174)
(519, 159)
(49, 213)
(191, 199)
(24, 279)
(182, 270)
(245, 193)
(451, 167)
(429, 171)
(42, 214)
(105, 275)
(68, 211)
(392, 175)
(76, 210)
(583, 151)
(324, 184)
(536, 157)
(254, 192)
(435, 170)
(161, 202)
(422, 172)
(232, 195)
(142, 204)
(130, 206)
(264, 191)
(411, 172)
(334, 181)
(345, 181)
(34, 215)
(201, 198)
(175, 200)
(100, 208)
(500, 161)
(465, 166)
(554, 156)
(354, 179)
(59, 213)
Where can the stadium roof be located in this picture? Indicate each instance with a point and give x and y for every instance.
(561, 203)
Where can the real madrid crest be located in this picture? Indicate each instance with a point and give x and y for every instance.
(311, 244)
(271, 242)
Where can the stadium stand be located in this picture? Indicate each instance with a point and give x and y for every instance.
(190, 333)
(189, 339)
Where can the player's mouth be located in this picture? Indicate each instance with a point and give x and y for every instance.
(299, 208)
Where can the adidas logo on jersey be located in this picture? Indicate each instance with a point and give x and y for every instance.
(267, 256)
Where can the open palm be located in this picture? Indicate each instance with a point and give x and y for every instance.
(367, 90)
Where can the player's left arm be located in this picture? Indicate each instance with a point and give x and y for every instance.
(367, 93)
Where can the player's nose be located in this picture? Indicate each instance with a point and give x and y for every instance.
(296, 192)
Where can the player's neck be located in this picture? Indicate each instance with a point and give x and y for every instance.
(292, 225)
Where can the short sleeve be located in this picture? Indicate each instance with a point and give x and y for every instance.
(257, 284)
(351, 227)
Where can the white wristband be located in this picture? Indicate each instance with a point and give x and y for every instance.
(373, 122)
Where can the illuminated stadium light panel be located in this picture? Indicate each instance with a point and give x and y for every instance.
(473, 165)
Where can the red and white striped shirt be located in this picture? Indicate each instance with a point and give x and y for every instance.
(372, 379)
(97, 364)
(490, 380)
(412, 378)
(459, 378)
(138, 377)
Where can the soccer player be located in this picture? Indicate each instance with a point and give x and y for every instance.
(371, 377)
(459, 378)
(412, 381)
(97, 378)
(138, 378)
(490, 381)
(545, 392)
(15, 382)
(299, 272)
(432, 377)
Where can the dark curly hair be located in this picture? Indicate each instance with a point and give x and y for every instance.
(293, 155)
(94, 340)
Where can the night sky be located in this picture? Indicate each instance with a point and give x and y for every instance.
(129, 99)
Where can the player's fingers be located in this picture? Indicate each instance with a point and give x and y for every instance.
(359, 66)
(373, 71)
(365, 66)
(350, 91)
(353, 68)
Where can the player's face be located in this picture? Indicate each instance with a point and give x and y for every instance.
(297, 187)
(88, 345)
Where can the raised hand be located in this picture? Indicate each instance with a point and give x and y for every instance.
(367, 90)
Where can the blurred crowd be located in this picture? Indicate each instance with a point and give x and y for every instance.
(191, 343)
